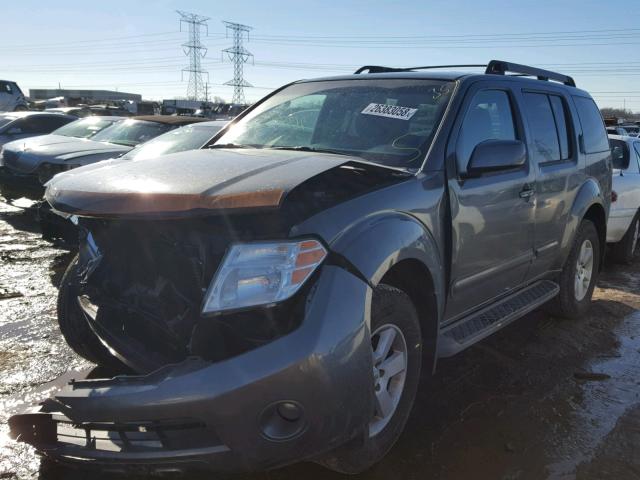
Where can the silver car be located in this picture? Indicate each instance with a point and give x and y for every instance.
(623, 228)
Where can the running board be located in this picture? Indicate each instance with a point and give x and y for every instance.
(469, 330)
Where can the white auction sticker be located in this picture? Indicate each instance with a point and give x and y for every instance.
(391, 111)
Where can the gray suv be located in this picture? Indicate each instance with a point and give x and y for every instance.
(275, 295)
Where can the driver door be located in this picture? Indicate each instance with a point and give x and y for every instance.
(493, 213)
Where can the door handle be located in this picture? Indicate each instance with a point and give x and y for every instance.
(527, 191)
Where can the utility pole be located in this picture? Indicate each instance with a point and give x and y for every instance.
(239, 56)
(195, 51)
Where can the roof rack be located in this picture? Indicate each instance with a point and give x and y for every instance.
(379, 69)
(495, 67)
(498, 67)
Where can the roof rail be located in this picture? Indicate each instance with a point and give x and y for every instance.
(379, 69)
(498, 67)
(495, 67)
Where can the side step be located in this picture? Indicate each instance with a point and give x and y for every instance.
(469, 330)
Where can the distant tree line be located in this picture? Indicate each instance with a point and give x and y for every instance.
(620, 113)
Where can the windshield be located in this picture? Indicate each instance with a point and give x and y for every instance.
(131, 132)
(390, 121)
(6, 120)
(189, 137)
(85, 128)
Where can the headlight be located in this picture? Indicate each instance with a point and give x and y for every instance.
(254, 274)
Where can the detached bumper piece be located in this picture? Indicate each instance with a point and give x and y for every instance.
(148, 447)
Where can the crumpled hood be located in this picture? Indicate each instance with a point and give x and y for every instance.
(192, 181)
(27, 155)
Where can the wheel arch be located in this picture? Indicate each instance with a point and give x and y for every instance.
(589, 204)
(397, 249)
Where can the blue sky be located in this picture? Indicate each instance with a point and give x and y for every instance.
(135, 45)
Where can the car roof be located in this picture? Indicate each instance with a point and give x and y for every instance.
(625, 138)
(446, 75)
(169, 119)
(29, 113)
(214, 123)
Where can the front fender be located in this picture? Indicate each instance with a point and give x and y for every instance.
(380, 241)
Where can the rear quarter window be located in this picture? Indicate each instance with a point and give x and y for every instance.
(593, 129)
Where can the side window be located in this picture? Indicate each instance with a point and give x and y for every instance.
(593, 131)
(541, 120)
(562, 125)
(489, 117)
(43, 124)
(6, 88)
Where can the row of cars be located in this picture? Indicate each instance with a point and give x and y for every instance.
(275, 296)
(31, 158)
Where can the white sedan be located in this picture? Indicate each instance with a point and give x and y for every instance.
(623, 229)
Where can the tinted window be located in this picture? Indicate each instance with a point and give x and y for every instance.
(593, 130)
(543, 127)
(620, 154)
(40, 124)
(489, 117)
(5, 88)
(562, 125)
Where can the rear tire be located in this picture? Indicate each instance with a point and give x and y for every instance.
(74, 326)
(625, 250)
(580, 273)
(393, 313)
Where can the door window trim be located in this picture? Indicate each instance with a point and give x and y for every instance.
(571, 129)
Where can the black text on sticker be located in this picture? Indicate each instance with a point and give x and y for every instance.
(391, 111)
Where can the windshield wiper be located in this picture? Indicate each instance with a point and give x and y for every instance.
(228, 145)
(301, 148)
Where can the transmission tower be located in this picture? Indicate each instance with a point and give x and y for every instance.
(195, 51)
(239, 56)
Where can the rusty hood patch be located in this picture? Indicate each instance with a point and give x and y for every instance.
(186, 182)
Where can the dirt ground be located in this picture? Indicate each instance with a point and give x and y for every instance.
(545, 398)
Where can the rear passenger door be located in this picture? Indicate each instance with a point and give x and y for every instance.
(553, 151)
(492, 214)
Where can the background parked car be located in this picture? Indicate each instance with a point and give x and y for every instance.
(11, 97)
(19, 125)
(13, 184)
(623, 228)
(75, 111)
(617, 131)
(36, 166)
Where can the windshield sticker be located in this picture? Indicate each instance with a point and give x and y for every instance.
(390, 111)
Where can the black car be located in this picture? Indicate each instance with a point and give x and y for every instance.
(274, 297)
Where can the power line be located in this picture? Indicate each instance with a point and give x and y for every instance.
(239, 56)
(195, 51)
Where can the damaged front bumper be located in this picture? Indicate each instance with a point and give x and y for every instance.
(292, 399)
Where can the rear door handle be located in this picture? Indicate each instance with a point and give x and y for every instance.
(527, 191)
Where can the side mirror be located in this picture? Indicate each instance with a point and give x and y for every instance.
(496, 155)
(14, 131)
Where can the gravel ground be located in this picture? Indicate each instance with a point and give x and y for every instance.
(545, 398)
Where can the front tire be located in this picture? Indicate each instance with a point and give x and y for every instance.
(397, 358)
(74, 326)
(625, 250)
(580, 273)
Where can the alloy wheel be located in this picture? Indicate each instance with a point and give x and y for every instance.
(584, 270)
(389, 349)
